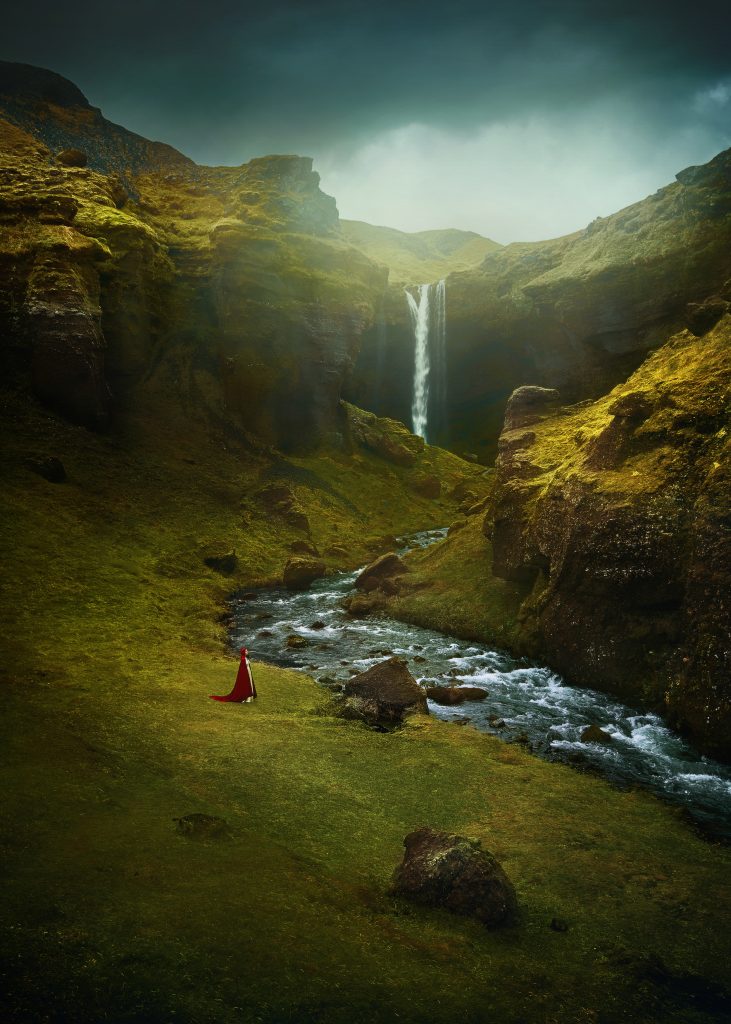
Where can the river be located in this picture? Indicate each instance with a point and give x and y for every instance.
(527, 702)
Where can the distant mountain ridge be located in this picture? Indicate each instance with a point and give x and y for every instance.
(55, 111)
(421, 256)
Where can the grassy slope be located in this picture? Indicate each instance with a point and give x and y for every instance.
(109, 735)
(421, 256)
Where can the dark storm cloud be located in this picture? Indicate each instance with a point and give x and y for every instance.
(224, 81)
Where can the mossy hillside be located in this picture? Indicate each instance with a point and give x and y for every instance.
(609, 520)
(448, 589)
(417, 257)
(109, 736)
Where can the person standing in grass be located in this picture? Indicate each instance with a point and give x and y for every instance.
(244, 689)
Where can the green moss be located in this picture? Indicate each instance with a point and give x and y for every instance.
(109, 735)
(450, 588)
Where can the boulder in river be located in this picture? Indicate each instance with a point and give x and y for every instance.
(451, 871)
(386, 692)
(593, 734)
(304, 547)
(451, 695)
(383, 568)
(300, 572)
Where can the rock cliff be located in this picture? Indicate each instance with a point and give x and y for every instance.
(131, 270)
(605, 548)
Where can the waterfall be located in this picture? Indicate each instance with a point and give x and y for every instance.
(429, 320)
(439, 363)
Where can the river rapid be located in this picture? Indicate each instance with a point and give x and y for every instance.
(527, 702)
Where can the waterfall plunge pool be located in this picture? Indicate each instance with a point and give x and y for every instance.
(525, 700)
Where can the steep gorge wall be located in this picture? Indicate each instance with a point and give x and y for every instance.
(228, 287)
(578, 313)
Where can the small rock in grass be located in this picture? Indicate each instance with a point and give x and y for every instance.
(559, 925)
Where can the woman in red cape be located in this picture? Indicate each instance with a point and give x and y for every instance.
(244, 689)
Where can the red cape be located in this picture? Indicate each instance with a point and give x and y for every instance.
(244, 688)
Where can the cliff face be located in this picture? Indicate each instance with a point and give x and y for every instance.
(578, 313)
(131, 269)
(604, 549)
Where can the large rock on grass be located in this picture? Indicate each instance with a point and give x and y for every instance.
(300, 572)
(386, 692)
(450, 871)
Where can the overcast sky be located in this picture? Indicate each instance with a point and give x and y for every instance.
(520, 120)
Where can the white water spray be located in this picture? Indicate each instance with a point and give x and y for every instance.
(429, 353)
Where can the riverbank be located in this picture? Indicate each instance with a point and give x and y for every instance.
(109, 736)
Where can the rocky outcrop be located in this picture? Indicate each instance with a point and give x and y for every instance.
(450, 871)
(529, 405)
(613, 512)
(385, 437)
(229, 290)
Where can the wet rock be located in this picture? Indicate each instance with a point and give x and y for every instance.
(47, 466)
(72, 158)
(319, 624)
(202, 826)
(428, 486)
(496, 722)
(528, 405)
(294, 641)
(224, 562)
(448, 696)
(389, 689)
(451, 871)
(360, 605)
(385, 567)
(300, 572)
(593, 734)
(265, 632)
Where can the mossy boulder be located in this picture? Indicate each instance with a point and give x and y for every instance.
(300, 572)
(390, 688)
(386, 567)
(444, 870)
